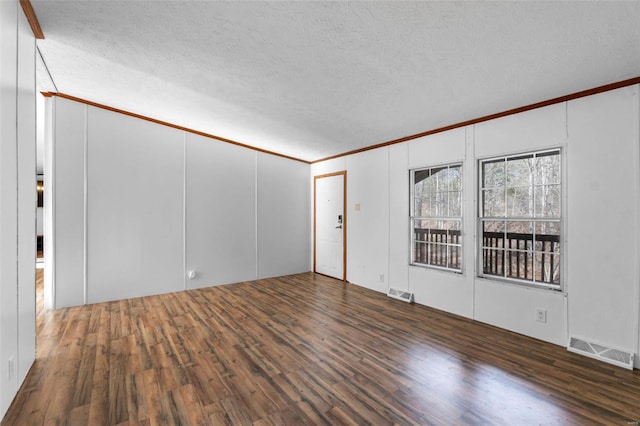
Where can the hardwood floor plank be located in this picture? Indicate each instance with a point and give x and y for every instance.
(304, 349)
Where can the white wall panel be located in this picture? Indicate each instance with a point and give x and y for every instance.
(329, 166)
(444, 290)
(220, 212)
(440, 148)
(69, 151)
(505, 305)
(514, 308)
(534, 129)
(27, 197)
(17, 207)
(603, 199)
(283, 216)
(135, 207)
(398, 217)
(368, 227)
(8, 204)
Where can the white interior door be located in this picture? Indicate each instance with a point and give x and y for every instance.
(330, 225)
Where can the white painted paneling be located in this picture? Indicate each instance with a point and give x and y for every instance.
(17, 207)
(8, 204)
(602, 256)
(514, 308)
(368, 219)
(534, 129)
(440, 148)
(444, 290)
(283, 216)
(329, 166)
(135, 207)
(398, 217)
(220, 212)
(27, 198)
(506, 305)
(49, 202)
(68, 189)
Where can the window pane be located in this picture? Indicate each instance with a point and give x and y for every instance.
(439, 204)
(493, 261)
(493, 174)
(548, 236)
(418, 178)
(420, 207)
(420, 252)
(455, 203)
(548, 201)
(520, 202)
(548, 168)
(519, 264)
(454, 178)
(437, 196)
(520, 235)
(493, 203)
(454, 233)
(455, 257)
(520, 172)
(521, 246)
(438, 178)
(547, 268)
(493, 233)
(437, 254)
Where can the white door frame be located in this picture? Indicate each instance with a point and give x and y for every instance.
(343, 173)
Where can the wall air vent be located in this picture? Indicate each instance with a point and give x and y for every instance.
(601, 352)
(405, 296)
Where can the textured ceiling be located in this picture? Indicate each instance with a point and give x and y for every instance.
(314, 79)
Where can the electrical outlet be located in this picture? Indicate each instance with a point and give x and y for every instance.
(381, 278)
(541, 315)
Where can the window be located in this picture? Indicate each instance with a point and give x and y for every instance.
(436, 217)
(519, 218)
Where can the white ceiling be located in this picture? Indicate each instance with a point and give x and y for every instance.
(314, 79)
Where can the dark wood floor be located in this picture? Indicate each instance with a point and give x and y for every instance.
(304, 349)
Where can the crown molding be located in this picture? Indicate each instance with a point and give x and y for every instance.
(164, 123)
(565, 98)
(27, 8)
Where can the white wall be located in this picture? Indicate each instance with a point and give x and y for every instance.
(280, 248)
(599, 136)
(134, 218)
(17, 200)
(68, 208)
(221, 212)
(27, 197)
(138, 205)
(368, 227)
(603, 186)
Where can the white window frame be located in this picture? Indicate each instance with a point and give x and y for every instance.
(413, 218)
(559, 220)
